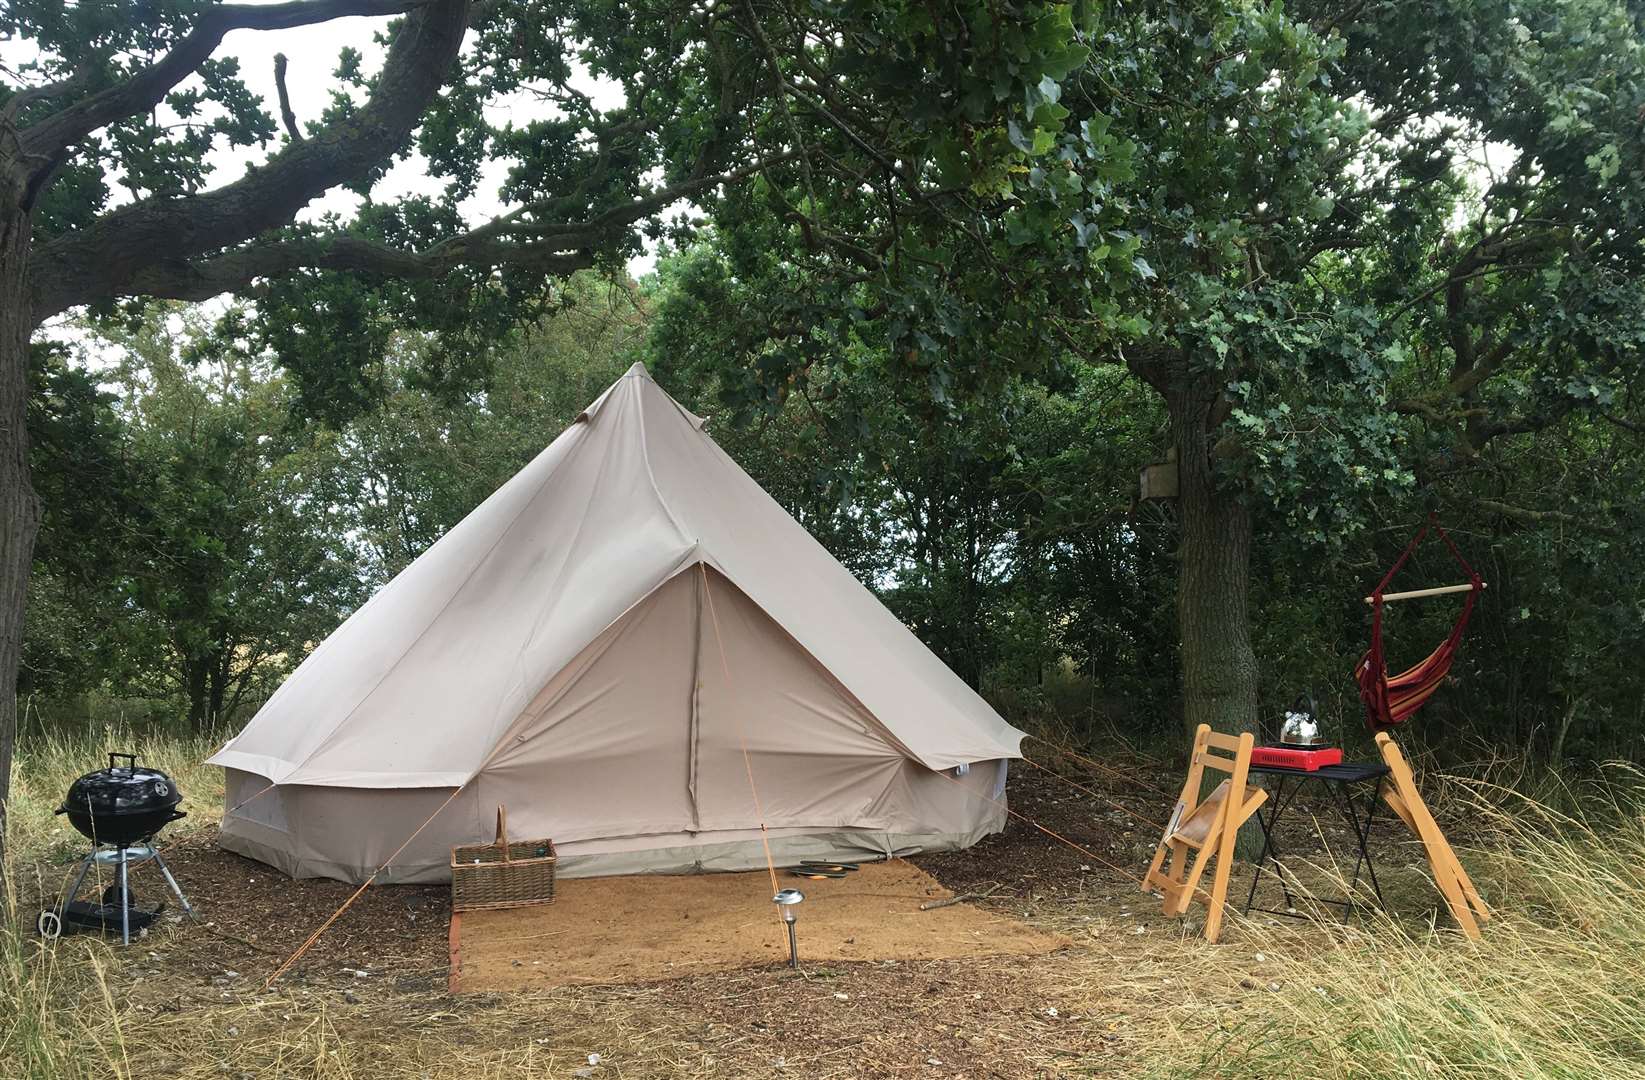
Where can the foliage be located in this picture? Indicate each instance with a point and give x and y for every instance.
(199, 547)
(201, 537)
(107, 96)
(996, 527)
(419, 462)
(1371, 260)
(585, 178)
(1387, 259)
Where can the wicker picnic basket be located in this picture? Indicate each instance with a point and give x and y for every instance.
(503, 873)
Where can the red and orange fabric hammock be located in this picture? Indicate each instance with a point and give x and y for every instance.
(1391, 699)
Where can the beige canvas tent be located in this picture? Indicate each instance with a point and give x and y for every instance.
(637, 651)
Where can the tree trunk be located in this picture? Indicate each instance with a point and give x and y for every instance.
(196, 677)
(19, 510)
(219, 690)
(1219, 666)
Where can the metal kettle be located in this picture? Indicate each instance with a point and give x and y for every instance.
(1301, 726)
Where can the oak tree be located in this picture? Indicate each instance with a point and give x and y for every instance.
(110, 115)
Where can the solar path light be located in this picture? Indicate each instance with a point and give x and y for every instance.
(788, 905)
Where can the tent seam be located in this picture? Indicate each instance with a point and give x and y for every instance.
(502, 736)
(885, 733)
(645, 456)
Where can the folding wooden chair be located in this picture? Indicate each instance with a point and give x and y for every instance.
(1401, 795)
(1207, 827)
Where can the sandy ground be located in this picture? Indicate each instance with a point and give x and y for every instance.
(646, 928)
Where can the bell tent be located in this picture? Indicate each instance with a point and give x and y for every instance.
(640, 654)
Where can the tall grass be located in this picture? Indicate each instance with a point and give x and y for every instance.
(47, 764)
(59, 1016)
(1554, 990)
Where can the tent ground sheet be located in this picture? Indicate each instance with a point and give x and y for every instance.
(651, 927)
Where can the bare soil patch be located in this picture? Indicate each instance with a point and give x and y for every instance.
(650, 927)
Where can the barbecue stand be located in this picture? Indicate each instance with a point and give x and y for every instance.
(119, 809)
(117, 908)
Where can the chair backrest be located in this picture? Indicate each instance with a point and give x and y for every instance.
(1224, 753)
(1229, 754)
(1207, 742)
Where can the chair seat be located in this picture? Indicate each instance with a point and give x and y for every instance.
(1196, 832)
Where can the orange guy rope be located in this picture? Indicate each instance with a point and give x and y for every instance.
(1100, 767)
(1102, 798)
(238, 806)
(748, 764)
(1087, 852)
(335, 915)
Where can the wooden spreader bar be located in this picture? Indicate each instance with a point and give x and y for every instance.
(1414, 594)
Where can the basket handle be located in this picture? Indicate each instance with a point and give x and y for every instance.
(502, 830)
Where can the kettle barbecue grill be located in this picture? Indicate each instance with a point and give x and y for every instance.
(119, 809)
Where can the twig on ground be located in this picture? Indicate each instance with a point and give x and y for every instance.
(932, 905)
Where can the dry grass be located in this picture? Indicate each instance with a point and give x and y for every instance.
(46, 766)
(38, 1036)
(1552, 990)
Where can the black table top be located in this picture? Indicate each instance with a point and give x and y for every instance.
(1349, 772)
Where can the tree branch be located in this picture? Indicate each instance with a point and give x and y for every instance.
(234, 271)
(29, 95)
(1480, 432)
(1451, 280)
(287, 117)
(101, 260)
(1626, 425)
(1543, 517)
(1419, 407)
(575, 233)
(1481, 369)
(553, 250)
(146, 88)
(1456, 321)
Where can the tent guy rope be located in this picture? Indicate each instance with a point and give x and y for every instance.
(1130, 778)
(1052, 833)
(742, 738)
(242, 805)
(364, 885)
(1094, 794)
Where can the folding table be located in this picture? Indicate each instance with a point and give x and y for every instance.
(1341, 781)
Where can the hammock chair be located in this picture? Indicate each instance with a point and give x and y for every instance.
(1391, 699)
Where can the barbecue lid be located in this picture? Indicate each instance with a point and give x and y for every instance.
(121, 789)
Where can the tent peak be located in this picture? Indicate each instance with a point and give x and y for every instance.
(638, 369)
